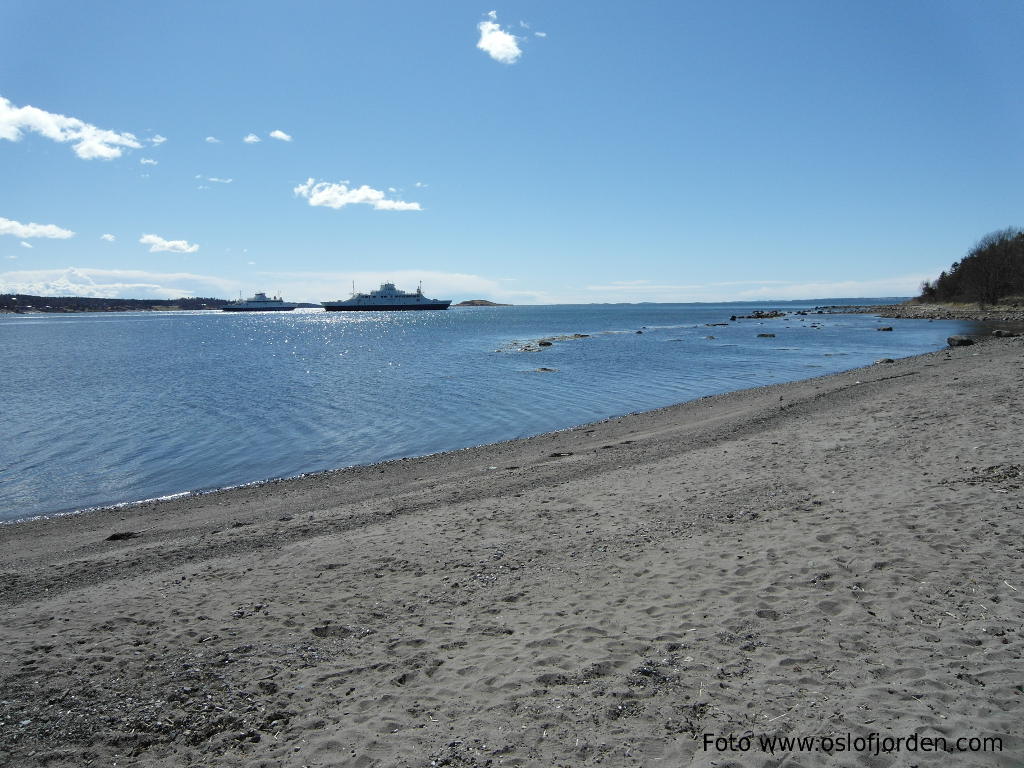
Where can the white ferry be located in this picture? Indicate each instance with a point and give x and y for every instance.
(260, 303)
(387, 298)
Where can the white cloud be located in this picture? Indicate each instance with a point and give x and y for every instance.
(220, 181)
(108, 237)
(157, 244)
(25, 245)
(11, 256)
(339, 195)
(19, 230)
(252, 138)
(540, 34)
(157, 140)
(113, 283)
(88, 141)
(497, 43)
(420, 185)
(147, 161)
(212, 140)
(280, 135)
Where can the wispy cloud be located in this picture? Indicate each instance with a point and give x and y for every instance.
(746, 290)
(24, 231)
(217, 180)
(147, 161)
(158, 244)
(252, 138)
(25, 245)
(497, 43)
(157, 140)
(108, 237)
(339, 195)
(280, 136)
(212, 140)
(113, 283)
(87, 141)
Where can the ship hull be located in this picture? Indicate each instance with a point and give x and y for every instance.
(257, 309)
(381, 307)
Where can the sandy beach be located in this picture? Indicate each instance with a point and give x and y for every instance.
(838, 558)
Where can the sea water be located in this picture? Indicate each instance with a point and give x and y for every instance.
(104, 408)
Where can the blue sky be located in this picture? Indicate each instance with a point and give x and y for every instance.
(530, 152)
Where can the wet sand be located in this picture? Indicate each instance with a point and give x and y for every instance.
(836, 556)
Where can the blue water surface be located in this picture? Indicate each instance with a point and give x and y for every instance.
(111, 407)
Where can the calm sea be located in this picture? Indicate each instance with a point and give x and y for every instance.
(106, 408)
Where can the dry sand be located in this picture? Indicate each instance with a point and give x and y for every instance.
(836, 556)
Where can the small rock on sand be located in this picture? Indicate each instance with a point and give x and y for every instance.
(122, 535)
(959, 341)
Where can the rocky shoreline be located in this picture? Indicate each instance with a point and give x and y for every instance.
(1010, 313)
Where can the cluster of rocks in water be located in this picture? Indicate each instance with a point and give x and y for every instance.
(759, 315)
(953, 341)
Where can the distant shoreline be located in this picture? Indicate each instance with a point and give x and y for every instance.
(26, 304)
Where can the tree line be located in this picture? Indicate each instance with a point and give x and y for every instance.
(991, 271)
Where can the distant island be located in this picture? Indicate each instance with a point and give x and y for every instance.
(21, 303)
(480, 303)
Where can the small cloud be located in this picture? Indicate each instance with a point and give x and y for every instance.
(157, 140)
(147, 161)
(280, 136)
(88, 141)
(252, 138)
(24, 231)
(25, 245)
(11, 256)
(251, 263)
(212, 140)
(420, 184)
(157, 244)
(108, 237)
(540, 34)
(219, 181)
(339, 195)
(496, 42)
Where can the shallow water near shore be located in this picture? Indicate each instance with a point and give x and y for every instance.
(107, 408)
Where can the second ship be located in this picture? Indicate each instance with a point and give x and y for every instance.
(387, 298)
